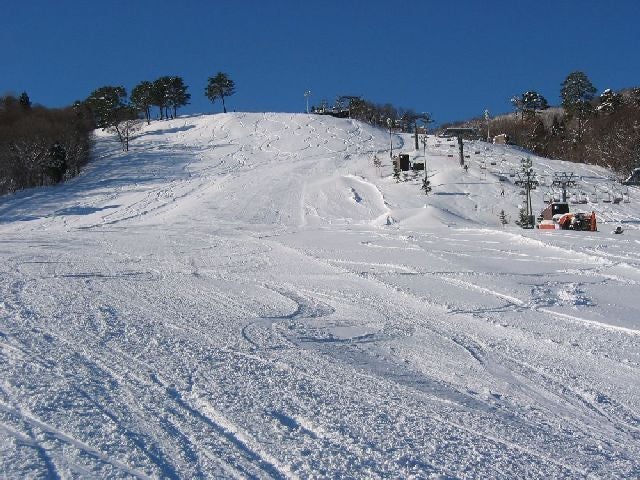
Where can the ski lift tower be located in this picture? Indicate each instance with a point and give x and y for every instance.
(459, 133)
(425, 117)
(564, 180)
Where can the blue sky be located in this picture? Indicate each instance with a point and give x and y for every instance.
(453, 59)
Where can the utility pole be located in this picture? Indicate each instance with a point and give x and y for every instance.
(461, 145)
(307, 94)
(486, 117)
(425, 182)
(389, 123)
(426, 120)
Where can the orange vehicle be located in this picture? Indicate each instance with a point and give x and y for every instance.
(557, 217)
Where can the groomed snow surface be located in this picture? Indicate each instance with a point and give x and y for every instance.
(245, 296)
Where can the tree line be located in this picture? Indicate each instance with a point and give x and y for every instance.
(379, 115)
(40, 146)
(113, 110)
(596, 129)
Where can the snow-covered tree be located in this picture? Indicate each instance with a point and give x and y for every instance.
(529, 103)
(523, 218)
(502, 216)
(126, 127)
(377, 163)
(56, 162)
(112, 112)
(609, 101)
(634, 96)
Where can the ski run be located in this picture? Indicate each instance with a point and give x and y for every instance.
(246, 295)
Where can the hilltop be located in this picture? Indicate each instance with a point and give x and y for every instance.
(247, 295)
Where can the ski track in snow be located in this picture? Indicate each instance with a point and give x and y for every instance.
(243, 296)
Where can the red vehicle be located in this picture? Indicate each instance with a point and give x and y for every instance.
(557, 217)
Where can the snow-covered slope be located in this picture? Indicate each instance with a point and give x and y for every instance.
(244, 295)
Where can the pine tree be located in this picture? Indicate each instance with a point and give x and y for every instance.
(56, 164)
(577, 93)
(112, 112)
(523, 220)
(106, 104)
(377, 163)
(502, 216)
(142, 99)
(160, 95)
(529, 103)
(220, 86)
(24, 100)
(609, 102)
(177, 95)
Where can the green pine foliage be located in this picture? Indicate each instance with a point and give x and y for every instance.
(529, 103)
(177, 95)
(25, 101)
(107, 104)
(577, 92)
(219, 87)
(523, 219)
(111, 111)
(142, 98)
(502, 216)
(159, 95)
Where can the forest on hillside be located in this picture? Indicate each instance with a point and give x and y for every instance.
(40, 146)
(600, 130)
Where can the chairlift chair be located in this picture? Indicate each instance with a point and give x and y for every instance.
(582, 198)
(606, 198)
